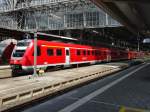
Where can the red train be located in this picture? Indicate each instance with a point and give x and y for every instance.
(50, 53)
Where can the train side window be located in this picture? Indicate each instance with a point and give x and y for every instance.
(96, 52)
(78, 52)
(50, 52)
(108, 53)
(67, 53)
(104, 53)
(93, 53)
(58, 52)
(88, 52)
(38, 50)
(84, 52)
(99, 53)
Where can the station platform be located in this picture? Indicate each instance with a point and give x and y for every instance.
(20, 90)
(5, 71)
(4, 67)
(124, 91)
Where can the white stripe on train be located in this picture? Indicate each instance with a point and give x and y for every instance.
(46, 65)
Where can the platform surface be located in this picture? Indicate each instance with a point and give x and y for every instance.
(129, 95)
(16, 90)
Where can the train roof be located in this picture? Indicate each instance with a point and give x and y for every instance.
(53, 43)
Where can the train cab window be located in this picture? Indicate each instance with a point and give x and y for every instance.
(50, 52)
(84, 52)
(78, 52)
(88, 52)
(58, 52)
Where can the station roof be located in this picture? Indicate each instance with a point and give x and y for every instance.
(16, 34)
(134, 14)
(19, 35)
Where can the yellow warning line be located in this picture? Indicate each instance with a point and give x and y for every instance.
(126, 109)
(122, 109)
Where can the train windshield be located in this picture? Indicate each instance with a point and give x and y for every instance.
(23, 43)
(21, 48)
(2, 48)
(18, 53)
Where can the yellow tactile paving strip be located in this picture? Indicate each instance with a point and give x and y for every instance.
(127, 109)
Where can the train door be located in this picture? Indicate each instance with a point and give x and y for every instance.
(67, 50)
(108, 56)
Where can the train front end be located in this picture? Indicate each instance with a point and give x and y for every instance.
(19, 56)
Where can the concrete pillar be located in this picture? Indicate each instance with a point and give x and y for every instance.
(84, 19)
(65, 23)
(107, 23)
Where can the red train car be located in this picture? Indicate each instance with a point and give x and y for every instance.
(51, 53)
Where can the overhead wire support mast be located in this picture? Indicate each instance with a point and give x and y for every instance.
(138, 39)
(35, 54)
